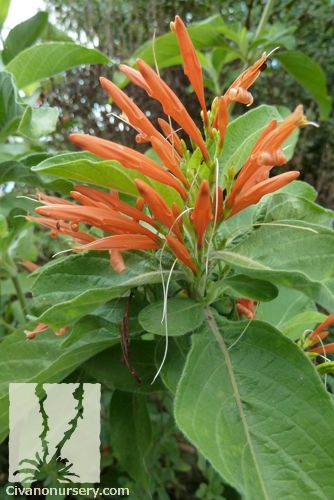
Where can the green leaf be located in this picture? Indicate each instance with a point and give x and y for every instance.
(74, 286)
(44, 359)
(19, 171)
(252, 288)
(310, 75)
(131, 434)
(4, 7)
(23, 35)
(286, 306)
(300, 188)
(109, 369)
(53, 34)
(183, 315)
(284, 206)
(172, 367)
(296, 326)
(86, 167)
(258, 412)
(48, 59)
(38, 121)
(290, 253)
(242, 133)
(10, 109)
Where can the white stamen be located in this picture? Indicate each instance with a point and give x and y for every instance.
(28, 198)
(166, 323)
(62, 251)
(272, 51)
(243, 332)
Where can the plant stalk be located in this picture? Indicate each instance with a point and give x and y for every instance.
(265, 16)
(20, 294)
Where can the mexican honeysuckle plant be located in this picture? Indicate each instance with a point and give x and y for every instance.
(217, 259)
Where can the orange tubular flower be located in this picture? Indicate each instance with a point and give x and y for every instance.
(62, 228)
(121, 243)
(253, 177)
(202, 214)
(117, 261)
(191, 64)
(30, 266)
(255, 194)
(159, 208)
(108, 220)
(171, 135)
(218, 205)
(114, 202)
(221, 119)
(50, 200)
(247, 308)
(128, 157)
(135, 77)
(238, 90)
(181, 252)
(134, 114)
(171, 104)
(31, 334)
(325, 349)
(167, 155)
(315, 334)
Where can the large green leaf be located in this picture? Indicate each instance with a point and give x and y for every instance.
(172, 367)
(38, 121)
(19, 171)
(86, 167)
(245, 286)
(47, 59)
(53, 34)
(300, 188)
(291, 312)
(256, 409)
(290, 253)
(74, 286)
(242, 133)
(45, 359)
(10, 109)
(284, 206)
(23, 35)
(310, 75)
(131, 434)
(19, 118)
(183, 315)
(108, 368)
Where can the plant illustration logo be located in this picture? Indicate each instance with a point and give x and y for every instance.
(54, 433)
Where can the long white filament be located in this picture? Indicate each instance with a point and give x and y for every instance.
(243, 331)
(166, 322)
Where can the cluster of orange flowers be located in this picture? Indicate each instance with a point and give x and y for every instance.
(317, 336)
(152, 222)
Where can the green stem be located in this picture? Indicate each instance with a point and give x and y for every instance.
(20, 294)
(265, 16)
(7, 325)
(218, 337)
